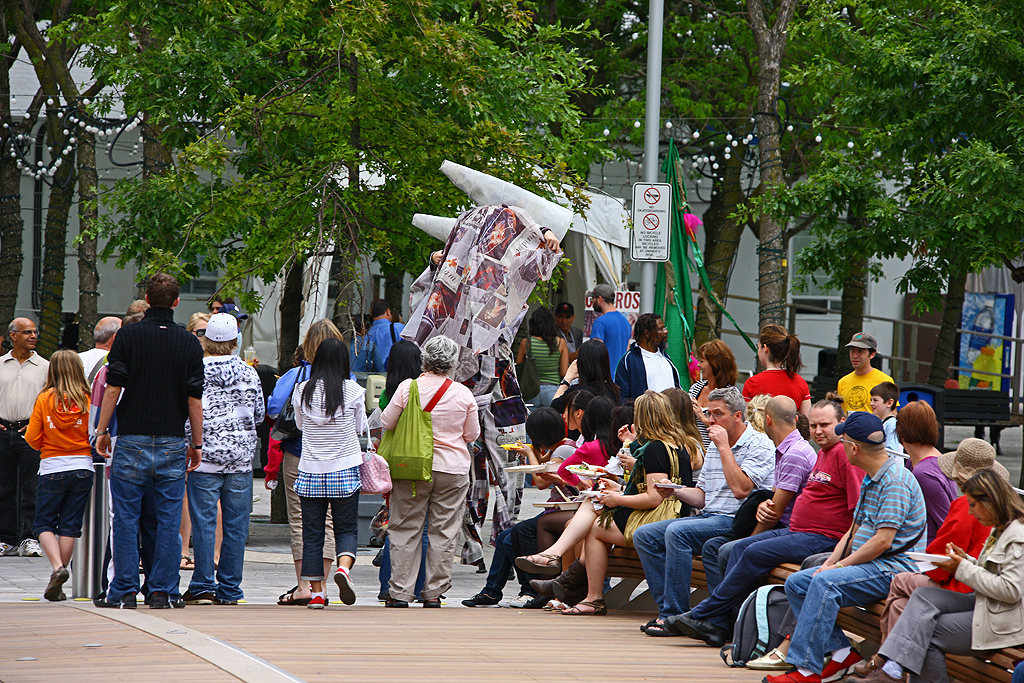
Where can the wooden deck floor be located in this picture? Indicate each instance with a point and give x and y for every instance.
(358, 643)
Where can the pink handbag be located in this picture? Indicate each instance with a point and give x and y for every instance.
(374, 474)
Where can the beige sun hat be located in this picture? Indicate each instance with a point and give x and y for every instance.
(969, 458)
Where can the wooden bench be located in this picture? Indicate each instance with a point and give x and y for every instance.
(861, 620)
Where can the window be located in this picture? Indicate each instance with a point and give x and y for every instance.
(816, 297)
(202, 287)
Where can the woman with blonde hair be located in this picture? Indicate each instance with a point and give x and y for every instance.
(755, 411)
(59, 430)
(682, 407)
(197, 325)
(281, 397)
(659, 457)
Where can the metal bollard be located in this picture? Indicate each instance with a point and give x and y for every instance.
(87, 559)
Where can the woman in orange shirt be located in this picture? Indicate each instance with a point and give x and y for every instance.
(59, 430)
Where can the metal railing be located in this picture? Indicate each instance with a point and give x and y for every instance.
(905, 368)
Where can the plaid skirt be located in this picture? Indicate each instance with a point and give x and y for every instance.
(340, 484)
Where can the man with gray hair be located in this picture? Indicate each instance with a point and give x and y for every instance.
(738, 461)
(103, 336)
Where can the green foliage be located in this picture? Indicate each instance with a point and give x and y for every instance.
(271, 104)
(929, 91)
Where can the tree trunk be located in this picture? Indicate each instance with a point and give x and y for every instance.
(11, 223)
(291, 309)
(952, 313)
(55, 246)
(156, 160)
(852, 320)
(88, 213)
(722, 241)
(771, 45)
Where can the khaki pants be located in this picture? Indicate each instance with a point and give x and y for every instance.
(289, 473)
(441, 503)
(903, 584)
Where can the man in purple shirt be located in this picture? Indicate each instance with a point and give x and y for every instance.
(794, 460)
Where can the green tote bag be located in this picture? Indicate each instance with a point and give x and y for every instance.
(409, 448)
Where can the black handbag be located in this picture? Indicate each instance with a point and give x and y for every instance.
(284, 426)
(527, 375)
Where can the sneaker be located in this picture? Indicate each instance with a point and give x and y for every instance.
(346, 590)
(205, 598)
(836, 671)
(160, 600)
(537, 603)
(518, 602)
(53, 588)
(8, 550)
(317, 602)
(30, 548)
(792, 676)
(126, 602)
(481, 600)
(218, 601)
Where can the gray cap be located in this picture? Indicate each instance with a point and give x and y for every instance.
(863, 340)
(606, 292)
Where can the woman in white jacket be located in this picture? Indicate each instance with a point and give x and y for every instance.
(329, 410)
(937, 622)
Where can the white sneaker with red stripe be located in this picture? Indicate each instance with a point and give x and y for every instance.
(346, 589)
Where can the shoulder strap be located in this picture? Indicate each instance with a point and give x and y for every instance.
(437, 396)
(393, 340)
(761, 618)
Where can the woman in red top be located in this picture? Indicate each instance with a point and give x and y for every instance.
(779, 353)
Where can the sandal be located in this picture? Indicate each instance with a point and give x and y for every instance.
(660, 631)
(552, 566)
(652, 622)
(599, 609)
(773, 661)
(290, 599)
(186, 563)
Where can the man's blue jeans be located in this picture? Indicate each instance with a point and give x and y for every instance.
(384, 575)
(815, 601)
(154, 465)
(510, 544)
(751, 559)
(666, 550)
(234, 492)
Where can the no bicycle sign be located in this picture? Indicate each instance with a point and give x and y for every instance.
(652, 221)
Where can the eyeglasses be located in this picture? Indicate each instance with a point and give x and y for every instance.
(718, 415)
(200, 333)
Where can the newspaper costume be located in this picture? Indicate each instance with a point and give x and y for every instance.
(477, 297)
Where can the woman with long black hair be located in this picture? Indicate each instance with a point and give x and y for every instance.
(593, 371)
(329, 410)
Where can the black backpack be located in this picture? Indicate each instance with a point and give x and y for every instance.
(757, 629)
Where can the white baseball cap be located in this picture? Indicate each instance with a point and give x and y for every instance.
(222, 328)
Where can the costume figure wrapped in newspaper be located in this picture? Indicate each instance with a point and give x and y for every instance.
(477, 296)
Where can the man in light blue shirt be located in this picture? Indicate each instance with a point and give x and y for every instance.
(611, 327)
(383, 334)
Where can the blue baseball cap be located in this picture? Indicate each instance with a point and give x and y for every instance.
(864, 427)
(233, 311)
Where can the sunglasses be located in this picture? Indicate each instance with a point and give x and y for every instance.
(200, 333)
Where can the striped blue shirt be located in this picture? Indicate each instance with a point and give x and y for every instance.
(754, 453)
(892, 499)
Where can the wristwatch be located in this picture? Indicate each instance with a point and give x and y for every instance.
(103, 432)
(564, 382)
(198, 447)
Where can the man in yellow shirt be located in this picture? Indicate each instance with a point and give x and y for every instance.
(855, 388)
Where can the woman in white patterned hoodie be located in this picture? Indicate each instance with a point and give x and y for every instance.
(330, 412)
(232, 409)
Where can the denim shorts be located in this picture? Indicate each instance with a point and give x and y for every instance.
(61, 498)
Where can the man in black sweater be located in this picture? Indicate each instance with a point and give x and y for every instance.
(155, 382)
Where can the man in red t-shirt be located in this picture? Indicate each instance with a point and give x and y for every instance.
(822, 513)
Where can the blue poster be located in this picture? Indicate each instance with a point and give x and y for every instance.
(987, 357)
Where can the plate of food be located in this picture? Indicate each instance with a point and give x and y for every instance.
(587, 471)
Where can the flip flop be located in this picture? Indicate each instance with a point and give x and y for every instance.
(660, 631)
(186, 563)
(289, 599)
(652, 622)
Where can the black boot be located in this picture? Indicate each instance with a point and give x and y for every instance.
(571, 585)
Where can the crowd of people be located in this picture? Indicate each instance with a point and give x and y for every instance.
(745, 479)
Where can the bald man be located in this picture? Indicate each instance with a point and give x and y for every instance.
(22, 376)
(103, 336)
(821, 514)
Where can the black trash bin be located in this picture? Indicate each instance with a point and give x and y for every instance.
(933, 396)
